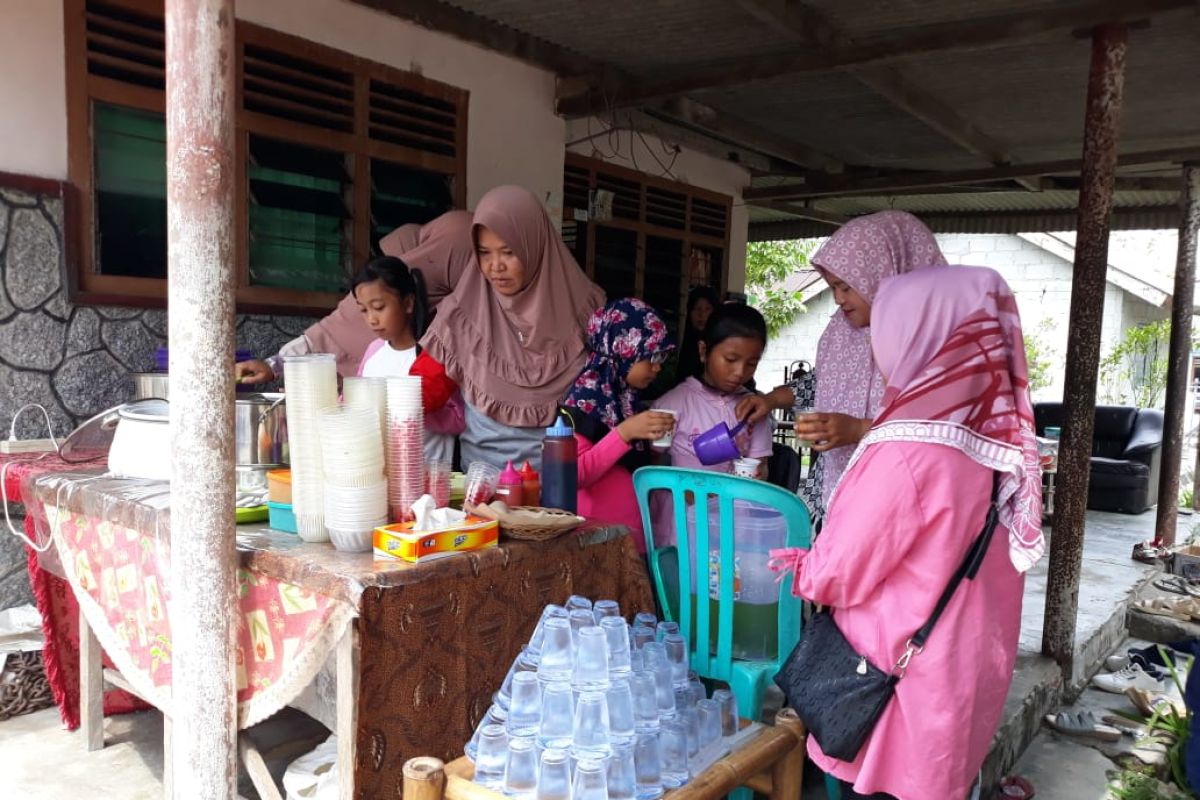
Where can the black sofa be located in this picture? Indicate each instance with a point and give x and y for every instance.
(1126, 455)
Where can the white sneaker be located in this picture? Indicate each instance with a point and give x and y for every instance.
(1131, 677)
(1116, 663)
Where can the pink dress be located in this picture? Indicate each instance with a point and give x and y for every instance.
(699, 408)
(605, 489)
(887, 552)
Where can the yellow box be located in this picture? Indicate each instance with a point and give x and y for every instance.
(401, 541)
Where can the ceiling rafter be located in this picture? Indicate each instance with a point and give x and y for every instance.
(941, 37)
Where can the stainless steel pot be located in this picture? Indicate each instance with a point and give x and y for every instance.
(150, 385)
(260, 421)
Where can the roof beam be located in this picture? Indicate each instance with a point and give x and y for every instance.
(804, 212)
(942, 37)
(881, 185)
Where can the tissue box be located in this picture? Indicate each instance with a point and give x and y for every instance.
(401, 541)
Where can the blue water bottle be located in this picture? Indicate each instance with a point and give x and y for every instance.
(559, 467)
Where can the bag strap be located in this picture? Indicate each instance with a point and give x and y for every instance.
(969, 568)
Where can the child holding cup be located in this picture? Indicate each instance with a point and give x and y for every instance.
(627, 345)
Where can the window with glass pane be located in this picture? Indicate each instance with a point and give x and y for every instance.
(616, 262)
(131, 191)
(300, 219)
(402, 195)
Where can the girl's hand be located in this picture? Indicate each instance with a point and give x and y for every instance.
(646, 425)
(758, 406)
(827, 431)
(253, 371)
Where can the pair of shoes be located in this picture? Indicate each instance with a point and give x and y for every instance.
(1082, 724)
(1148, 552)
(1131, 677)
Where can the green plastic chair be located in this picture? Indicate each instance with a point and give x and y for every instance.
(670, 565)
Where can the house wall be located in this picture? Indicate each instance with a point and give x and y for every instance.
(1040, 281)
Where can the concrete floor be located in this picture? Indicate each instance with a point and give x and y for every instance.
(42, 761)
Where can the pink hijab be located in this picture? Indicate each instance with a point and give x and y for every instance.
(515, 357)
(863, 252)
(442, 249)
(949, 342)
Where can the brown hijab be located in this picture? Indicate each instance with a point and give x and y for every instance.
(515, 357)
(442, 249)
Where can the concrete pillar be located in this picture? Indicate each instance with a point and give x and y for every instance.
(200, 296)
(1106, 82)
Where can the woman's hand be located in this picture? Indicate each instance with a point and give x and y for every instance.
(827, 431)
(646, 425)
(756, 407)
(253, 371)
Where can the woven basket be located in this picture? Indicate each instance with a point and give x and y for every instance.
(24, 687)
(559, 523)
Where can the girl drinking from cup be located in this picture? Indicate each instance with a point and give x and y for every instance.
(391, 298)
(627, 345)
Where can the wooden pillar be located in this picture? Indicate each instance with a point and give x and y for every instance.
(1179, 364)
(1106, 80)
(200, 297)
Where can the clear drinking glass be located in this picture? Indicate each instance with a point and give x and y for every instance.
(674, 749)
(709, 714)
(491, 757)
(521, 769)
(554, 776)
(729, 711)
(496, 715)
(617, 633)
(578, 601)
(635, 661)
(692, 719)
(655, 657)
(525, 707)
(676, 647)
(556, 660)
(622, 776)
(645, 618)
(641, 635)
(590, 733)
(647, 766)
(606, 608)
(591, 660)
(665, 627)
(504, 696)
(558, 716)
(697, 686)
(645, 701)
(580, 618)
(590, 781)
(535, 641)
(621, 724)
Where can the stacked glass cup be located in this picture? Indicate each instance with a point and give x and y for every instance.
(593, 709)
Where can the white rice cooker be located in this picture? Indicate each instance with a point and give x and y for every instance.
(141, 445)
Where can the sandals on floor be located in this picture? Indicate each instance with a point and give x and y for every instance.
(1014, 787)
(1176, 584)
(1182, 608)
(1082, 724)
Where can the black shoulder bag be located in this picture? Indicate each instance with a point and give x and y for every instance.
(837, 692)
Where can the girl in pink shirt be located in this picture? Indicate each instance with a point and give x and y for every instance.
(627, 344)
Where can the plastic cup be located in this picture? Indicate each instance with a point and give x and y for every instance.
(521, 769)
(664, 442)
(676, 647)
(708, 712)
(580, 618)
(606, 608)
(622, 774)
(617, 633)
(655, 656)
(480, 483)
(557, 654)
(729, 712)
(697, 686)
(665, 627)
(491, 757)
(578, 601)
(674, 751)
(647, 766)
(591, 661)
(645, 701)
(591, 782)
(439, 482)
(798, 412)
(621, 723)
(554, 776)
(525, 708)
(746, 467)
(589, 737)
(640, 635)
(557, 721)
(535, 641)
(496, 715)
(645, 618)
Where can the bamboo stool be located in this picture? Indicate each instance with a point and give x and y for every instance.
(772, 764)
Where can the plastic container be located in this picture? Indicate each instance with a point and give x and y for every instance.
(559, 467)
(510, 487)
(756, 531)
(279, 486)
(531, 482)
(718, 444)
(280, 517)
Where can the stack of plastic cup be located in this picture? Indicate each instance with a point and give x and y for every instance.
(355, 487)
(311, 386)
(369, 393)
(405, 446)
(439, 482)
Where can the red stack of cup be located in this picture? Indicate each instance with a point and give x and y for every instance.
(404, 447)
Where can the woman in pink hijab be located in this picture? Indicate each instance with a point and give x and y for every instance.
(854, 261)
(956, 411)
(441, 249)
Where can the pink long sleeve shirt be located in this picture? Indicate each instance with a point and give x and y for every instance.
(605, 489)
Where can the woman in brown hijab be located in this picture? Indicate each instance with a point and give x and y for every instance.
(442, 249)
(512, 332)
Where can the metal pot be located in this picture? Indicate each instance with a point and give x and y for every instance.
(150, 385)
(260, 422)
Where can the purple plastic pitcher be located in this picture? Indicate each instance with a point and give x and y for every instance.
(716, 444)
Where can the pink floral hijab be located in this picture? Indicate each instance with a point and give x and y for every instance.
(950, 343)
(863, 253)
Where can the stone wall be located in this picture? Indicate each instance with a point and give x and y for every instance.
(73, 360)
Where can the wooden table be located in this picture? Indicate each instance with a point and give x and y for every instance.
(425, 649)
